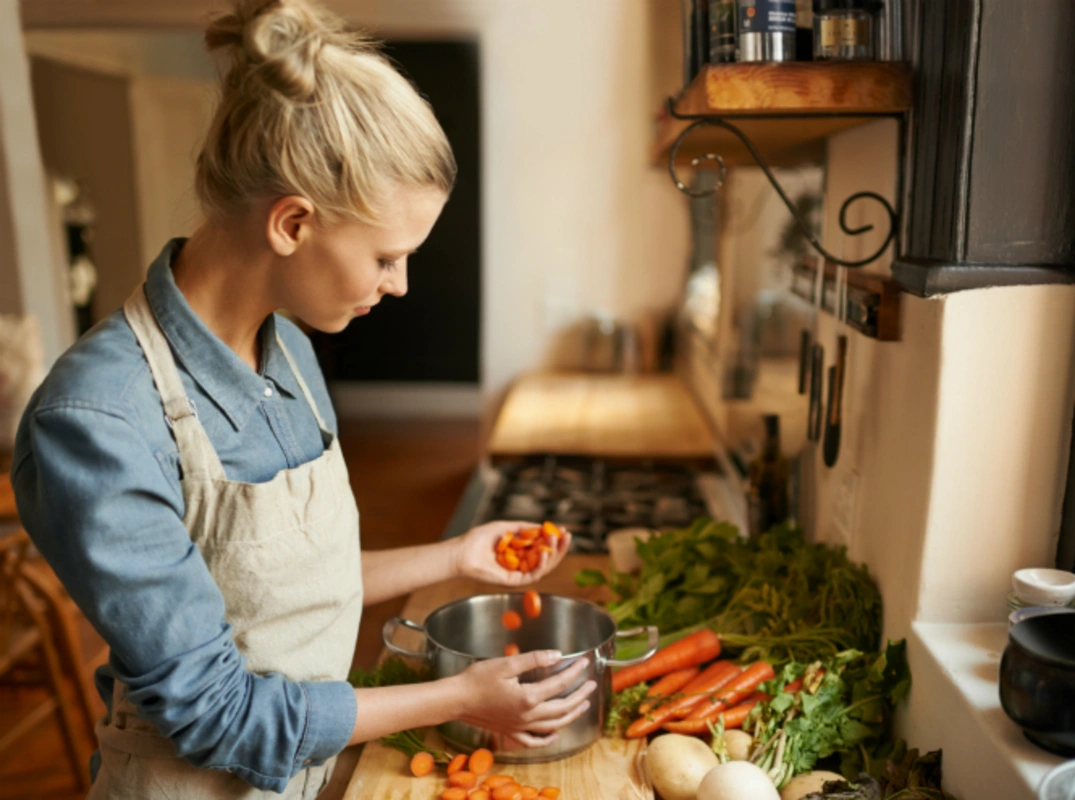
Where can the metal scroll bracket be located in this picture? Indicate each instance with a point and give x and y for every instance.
(699, 122)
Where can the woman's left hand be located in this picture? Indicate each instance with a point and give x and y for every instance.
(475, 555)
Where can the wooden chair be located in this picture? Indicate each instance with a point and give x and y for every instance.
(63, 615)
(26, 639)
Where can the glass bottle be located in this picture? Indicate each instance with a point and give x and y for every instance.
(768, 481)
(843, 30)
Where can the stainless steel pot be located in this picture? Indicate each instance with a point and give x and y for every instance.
(469, 630)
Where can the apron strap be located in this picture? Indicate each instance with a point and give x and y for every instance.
(196, 454)
(302, 385)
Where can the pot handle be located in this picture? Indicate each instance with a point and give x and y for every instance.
(389, 631)
(653, 638)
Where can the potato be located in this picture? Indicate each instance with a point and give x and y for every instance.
(676, 765)
(738, 744)
(807, 783)
(737, 780)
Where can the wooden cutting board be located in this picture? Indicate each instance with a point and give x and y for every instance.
(611, 768)
(651, 416)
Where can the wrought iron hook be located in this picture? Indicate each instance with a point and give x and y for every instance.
(893, 218)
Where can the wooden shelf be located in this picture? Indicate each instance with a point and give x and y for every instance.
(821, 98)
(873, 301)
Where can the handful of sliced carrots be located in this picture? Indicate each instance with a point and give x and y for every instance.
(464, 772)
(520, 551)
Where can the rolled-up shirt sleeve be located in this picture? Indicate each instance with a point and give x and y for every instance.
(95, 500)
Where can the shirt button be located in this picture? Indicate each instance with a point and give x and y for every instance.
(268, 391)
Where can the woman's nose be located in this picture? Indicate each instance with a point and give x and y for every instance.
(396, 284)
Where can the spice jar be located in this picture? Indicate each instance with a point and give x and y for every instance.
(766, 30)
(843, 30)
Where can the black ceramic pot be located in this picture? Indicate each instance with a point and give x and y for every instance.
(1037, 681)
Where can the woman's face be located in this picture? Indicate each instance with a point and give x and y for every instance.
(342, 272)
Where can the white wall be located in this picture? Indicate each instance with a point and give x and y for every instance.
(575, 218)
(954, 450)
(31, 280)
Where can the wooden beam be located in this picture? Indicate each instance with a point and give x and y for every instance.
(38, 14)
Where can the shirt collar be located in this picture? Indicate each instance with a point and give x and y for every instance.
(222, 375)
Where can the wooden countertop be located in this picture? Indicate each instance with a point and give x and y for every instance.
(611, 768)
(651, 416)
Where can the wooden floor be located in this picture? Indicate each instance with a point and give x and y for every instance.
(407, 477)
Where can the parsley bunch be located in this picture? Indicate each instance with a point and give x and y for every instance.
(776, 597)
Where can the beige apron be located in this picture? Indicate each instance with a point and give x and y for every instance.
(286, 557)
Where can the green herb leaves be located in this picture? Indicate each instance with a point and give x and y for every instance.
(776, 597)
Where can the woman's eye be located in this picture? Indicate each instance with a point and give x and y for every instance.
(386, 264)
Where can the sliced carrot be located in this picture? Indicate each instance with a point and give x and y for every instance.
(481, 760)
(505, 542)
(480, 794)
(509, 791)
(511, 559)
(511, 620)
(690, 651)
(552, 530)
(454, 793)
(457, 763)
(529, 792)
(511, 649)
(422, 764)
(735, 691)
(666, 686)
(527, 535)
(549, 792)
(532, 604)
(463, 779)
(494, 781)
(712, 678)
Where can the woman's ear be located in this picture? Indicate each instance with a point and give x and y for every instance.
(290, 223)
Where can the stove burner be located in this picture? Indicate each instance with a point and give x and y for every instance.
(590, 497)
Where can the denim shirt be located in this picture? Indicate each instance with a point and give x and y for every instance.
(96, 475)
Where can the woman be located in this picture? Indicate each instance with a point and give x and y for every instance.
(179, 467)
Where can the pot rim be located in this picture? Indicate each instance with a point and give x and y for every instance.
(563, 656)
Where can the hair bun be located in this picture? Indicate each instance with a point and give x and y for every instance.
(276, 42)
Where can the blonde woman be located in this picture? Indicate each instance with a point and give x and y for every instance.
(179, 467)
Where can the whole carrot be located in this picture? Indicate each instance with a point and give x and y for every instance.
(734, 717)
(690, 651)
(714, 677)
(735, 691)
(666, 686)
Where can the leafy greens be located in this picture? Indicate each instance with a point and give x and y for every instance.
(775, 597)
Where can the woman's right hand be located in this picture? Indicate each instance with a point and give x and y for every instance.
(527, 713)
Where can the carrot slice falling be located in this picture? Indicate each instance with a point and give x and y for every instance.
(511, 649)
(457, 763)
(532, 604)
(511, 620)
(690, 651)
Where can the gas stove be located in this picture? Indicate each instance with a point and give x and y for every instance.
(591, 497)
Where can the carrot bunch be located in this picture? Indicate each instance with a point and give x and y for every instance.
(686, 698)
(520, 551)
(464, 772)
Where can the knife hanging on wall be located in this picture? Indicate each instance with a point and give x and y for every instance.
(812, 362)
(837, 374)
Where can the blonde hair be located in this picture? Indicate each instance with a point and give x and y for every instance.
(310, 108)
